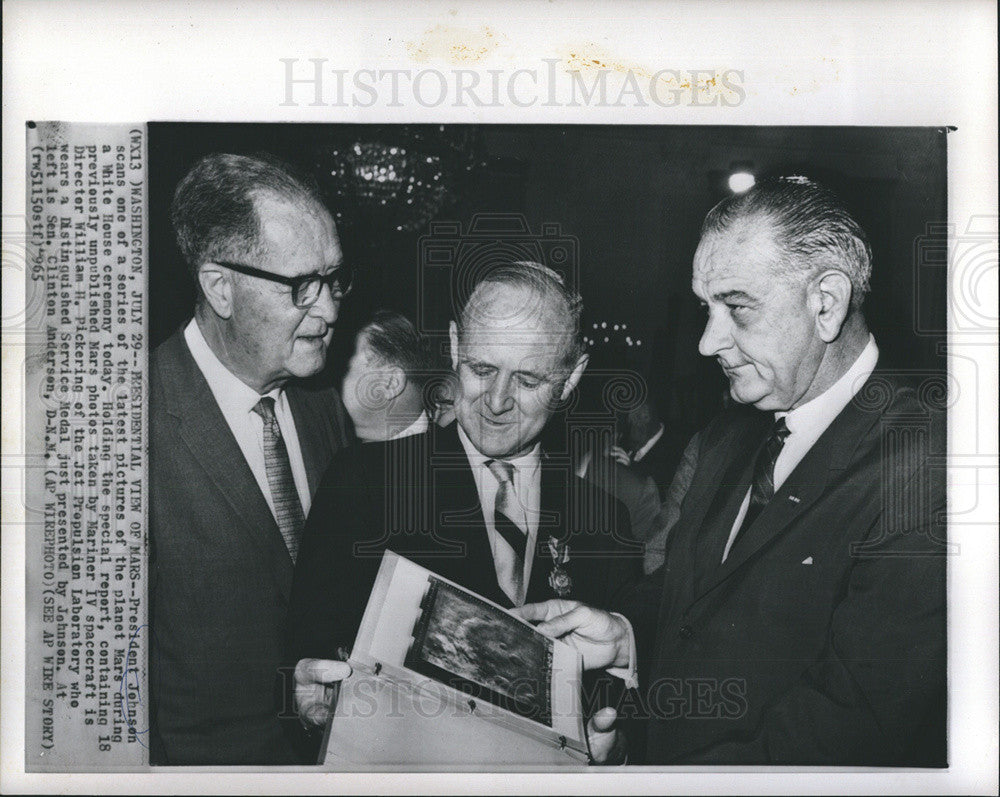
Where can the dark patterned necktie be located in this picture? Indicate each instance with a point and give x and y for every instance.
(512, 527)
(287, 507)
(762, 488)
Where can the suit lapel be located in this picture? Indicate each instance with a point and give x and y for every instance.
(459, 516)
(799, 492)
(711, 523)
(308, 419)
(553, 521)
(830, 454)
(204, 430)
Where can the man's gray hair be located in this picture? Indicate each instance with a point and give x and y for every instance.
(548, 286)
(813, 229)
(214, 211)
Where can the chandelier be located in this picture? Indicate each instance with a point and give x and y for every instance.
(398, 177)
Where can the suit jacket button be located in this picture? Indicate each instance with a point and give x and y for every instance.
(685, 632)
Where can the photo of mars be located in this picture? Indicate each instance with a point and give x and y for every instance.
(482, 644)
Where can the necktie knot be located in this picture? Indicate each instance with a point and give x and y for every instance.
(503, 471)
(265, 409)
(780, 429)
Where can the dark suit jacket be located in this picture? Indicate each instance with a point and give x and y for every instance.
(641, 498)
(220, 574)
(661, 461)
(821, 639)
(417, 496)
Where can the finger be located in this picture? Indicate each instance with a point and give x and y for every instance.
(315, 712)
(533, 612)
(321, 671)
(603, 720)
(568, 622)
(602, 738)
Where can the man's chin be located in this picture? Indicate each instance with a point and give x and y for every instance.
(496, 449)
(305, 367)
(495, 446)
(746, 394)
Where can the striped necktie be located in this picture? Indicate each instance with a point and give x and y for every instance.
(762, 489)
(512, 527)
(287, 507)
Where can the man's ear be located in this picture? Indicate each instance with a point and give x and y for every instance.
(217, 285)
(453, 338)
(831, 299)
(574, 378)
(394, 381)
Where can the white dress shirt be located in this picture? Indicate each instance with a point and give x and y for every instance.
(806, 423)
(236, 399)
(527, 478)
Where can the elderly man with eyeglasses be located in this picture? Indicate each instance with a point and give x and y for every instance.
(237, 450)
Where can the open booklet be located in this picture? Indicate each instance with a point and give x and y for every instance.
(444, 678)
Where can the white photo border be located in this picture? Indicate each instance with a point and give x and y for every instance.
(836, 63)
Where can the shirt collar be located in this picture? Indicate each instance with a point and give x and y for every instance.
(231, 393)
(820, 411)
(420, 425)
(648, 445)
(523, 464)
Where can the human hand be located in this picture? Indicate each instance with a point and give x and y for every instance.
(607, 744)
(620, 455)
(600, 637)
(313, 679)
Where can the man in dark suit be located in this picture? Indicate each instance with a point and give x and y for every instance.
(648, 449)
(237, 450)
(478, 502)
(800, 614)
(640, 496)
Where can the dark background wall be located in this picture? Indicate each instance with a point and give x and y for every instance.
(627, 203)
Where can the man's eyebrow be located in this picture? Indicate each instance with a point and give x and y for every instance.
(738, 296)
(533, 374)
(322, 271)
(469, 360)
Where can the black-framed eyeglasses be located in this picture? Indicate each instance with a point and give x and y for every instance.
(307, 288)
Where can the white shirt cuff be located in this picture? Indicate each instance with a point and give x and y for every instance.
(629, 674)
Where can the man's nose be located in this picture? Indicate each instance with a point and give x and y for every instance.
(716, 337)
(326, 306)
(498, 396)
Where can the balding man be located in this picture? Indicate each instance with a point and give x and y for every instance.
(478, 502)
(800, 614)
(237, 449)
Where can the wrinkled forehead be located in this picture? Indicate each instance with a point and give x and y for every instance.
(296, 227)
(746, 251)
(502, 316)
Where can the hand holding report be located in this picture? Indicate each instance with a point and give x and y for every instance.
(314, 679)
(443, 677)
(601, 637)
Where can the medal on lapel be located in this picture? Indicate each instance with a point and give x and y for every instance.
(559, 578)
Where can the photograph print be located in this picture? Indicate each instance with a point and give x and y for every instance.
(705, 283)
(479, 650)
